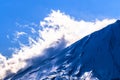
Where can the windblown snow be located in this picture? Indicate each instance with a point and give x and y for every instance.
(53, 56)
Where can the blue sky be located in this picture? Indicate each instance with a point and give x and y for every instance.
(21, 22)
(28, 11)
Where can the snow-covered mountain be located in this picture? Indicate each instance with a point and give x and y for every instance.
(95, 57)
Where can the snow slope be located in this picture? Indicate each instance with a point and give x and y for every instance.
(95, 57)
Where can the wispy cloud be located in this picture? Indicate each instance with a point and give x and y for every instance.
(66, 25)
(18, 34)
(55, 27)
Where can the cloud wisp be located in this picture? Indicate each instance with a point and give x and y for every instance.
(55, 28)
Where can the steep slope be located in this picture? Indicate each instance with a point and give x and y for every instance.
(97, 53)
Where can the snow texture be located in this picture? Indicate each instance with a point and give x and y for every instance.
(94, 57)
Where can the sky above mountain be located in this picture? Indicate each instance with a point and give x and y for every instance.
(27, 27)
(14, 14)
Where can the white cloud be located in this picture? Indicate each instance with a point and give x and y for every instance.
(18, 34)
(33, 30)
(54, 27)
(59, 24)
(19, 25)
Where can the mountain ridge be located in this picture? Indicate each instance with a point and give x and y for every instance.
(98, 53)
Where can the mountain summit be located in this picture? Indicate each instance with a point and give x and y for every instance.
(96, 56)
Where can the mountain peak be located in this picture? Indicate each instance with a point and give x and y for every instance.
(118, 21)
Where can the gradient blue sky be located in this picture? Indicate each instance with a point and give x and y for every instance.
(27, 11)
